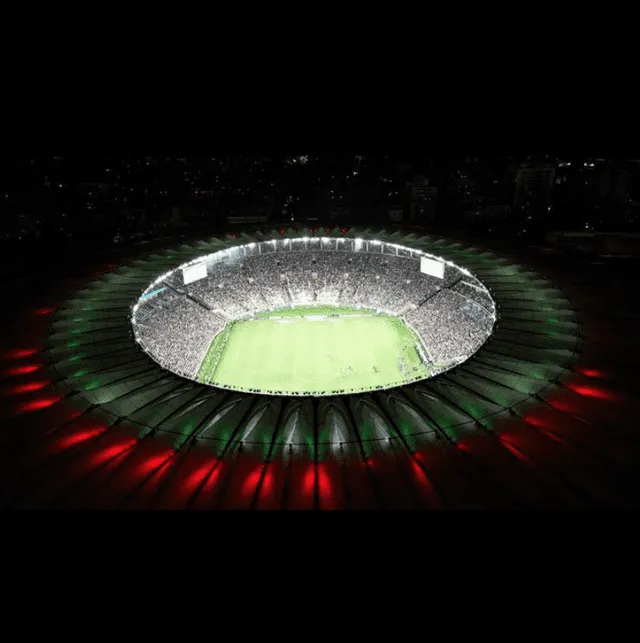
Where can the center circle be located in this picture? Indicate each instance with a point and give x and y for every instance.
(313, 317)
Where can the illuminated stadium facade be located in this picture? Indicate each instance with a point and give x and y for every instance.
(313, 316)
(92, 419)
(93, 351)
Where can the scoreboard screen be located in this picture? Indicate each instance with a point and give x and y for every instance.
(432, 267)
(194, 273)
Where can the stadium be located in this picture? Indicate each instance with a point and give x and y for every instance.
(304, 368)
(313, 316)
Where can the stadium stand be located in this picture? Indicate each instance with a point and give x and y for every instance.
(453, 316)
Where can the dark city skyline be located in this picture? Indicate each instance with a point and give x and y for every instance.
(123, 198)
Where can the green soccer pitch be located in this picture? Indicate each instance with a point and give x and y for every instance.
(313, 350)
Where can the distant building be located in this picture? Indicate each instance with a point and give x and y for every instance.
(94, 194)
(422, 200)
(534, 184)
(132, 216)
(497, 211)
(396, 213)
(338, 211)
(602, 243)
(604, 181)
(620, 185)
(21, 226)
(242, 220)
(94, 188)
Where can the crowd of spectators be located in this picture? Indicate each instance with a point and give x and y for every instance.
(448, 328)
(176, 332)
